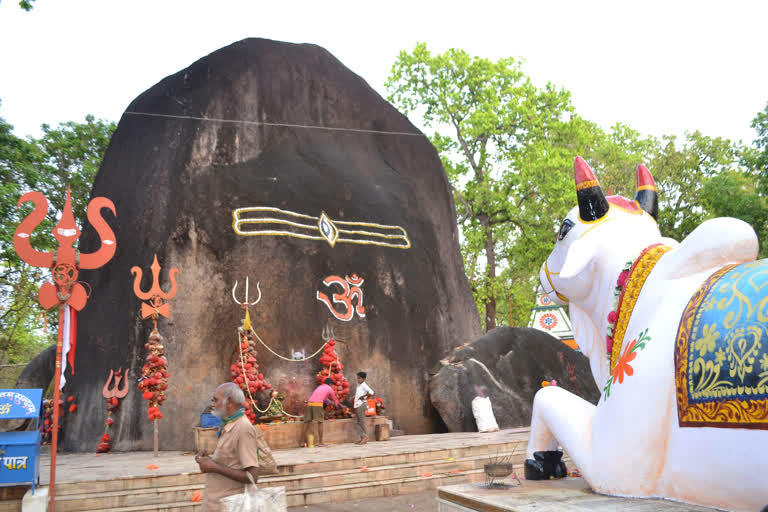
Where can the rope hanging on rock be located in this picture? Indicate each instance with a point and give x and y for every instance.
(242, 364)
(242, 340)
(286, 358)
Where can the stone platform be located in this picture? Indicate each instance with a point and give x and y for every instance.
(565, 495)
(281, 436)
(137, 481)
(287, 435)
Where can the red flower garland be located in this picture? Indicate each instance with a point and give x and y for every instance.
(245, 373)
(155, 375)
(105, 444)
(47, 426)
(333, 369)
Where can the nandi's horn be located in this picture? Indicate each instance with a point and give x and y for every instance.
(647, 196)
(592, 202)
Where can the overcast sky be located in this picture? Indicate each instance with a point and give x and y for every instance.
(660, 66)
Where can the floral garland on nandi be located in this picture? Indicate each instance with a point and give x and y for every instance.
(625, 294)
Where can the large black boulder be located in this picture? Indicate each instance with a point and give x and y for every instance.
(286, 126)
(509, 365)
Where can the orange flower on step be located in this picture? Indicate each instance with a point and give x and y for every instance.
(426, 475)
(197, 496)
(151, 466)
(622, 366)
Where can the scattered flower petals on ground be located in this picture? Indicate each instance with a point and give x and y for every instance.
(151, 466)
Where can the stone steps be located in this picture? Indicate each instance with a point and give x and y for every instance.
(307, 481)
(10, 506)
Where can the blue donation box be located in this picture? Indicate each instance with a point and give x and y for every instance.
(20, 451)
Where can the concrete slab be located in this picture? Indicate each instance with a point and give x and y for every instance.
(568, 494)
(37, 502)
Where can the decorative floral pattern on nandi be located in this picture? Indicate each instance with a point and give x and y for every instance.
(623, 367)
(721, 355)
(629, 284)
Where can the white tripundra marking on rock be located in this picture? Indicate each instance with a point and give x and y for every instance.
(269, 221)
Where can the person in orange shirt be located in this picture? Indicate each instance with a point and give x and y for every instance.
(314, 412)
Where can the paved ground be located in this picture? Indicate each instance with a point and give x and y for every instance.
(565, 495)
(422, 501)
(556, 496)
(77, 467)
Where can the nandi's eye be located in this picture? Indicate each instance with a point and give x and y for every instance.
(565, 228)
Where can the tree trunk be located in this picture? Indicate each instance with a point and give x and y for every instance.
(490, 305)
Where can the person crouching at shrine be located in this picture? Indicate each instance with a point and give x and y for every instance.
(314, 413)
(362, 394)
(237, 452)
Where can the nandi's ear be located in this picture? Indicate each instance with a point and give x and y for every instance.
(579, 257)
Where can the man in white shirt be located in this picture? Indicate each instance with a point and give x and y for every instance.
(362, 393)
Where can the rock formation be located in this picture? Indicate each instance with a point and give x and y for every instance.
(291, 132)
(509, 364)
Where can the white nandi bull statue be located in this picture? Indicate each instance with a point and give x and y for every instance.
(676, 338)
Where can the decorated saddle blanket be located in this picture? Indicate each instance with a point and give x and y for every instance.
(721, 353)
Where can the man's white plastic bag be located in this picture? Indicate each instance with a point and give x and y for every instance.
(269, 499)
(483, 412)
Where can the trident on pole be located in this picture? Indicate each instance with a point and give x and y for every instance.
(66, 291)
(156, 305)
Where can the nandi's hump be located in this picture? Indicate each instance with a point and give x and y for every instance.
(716, 242)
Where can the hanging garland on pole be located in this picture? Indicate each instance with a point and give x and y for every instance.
(154, 374)
(245, 371)
(66, 291)
(332, 368)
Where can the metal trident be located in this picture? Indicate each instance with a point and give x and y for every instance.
(246, 303)
(116, 391)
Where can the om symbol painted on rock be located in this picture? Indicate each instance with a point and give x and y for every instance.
(350, 288)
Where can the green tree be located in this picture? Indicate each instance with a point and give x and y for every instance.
(507, 148)
(735, 194)
(616, 157)
(756, 158)
(20, 162)
(69, 154)
(681, 171)
(72, 156)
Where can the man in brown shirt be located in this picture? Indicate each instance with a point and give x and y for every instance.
(237, 452)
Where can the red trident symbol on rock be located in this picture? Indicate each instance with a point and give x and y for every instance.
(157, 298)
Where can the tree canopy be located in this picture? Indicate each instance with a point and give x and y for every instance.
(68, 155)
(507, 147)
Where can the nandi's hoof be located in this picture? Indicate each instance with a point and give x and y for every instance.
(545, 465)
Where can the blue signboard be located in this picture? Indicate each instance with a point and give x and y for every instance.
(20, 451)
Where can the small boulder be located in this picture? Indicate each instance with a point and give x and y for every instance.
(508, 364)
